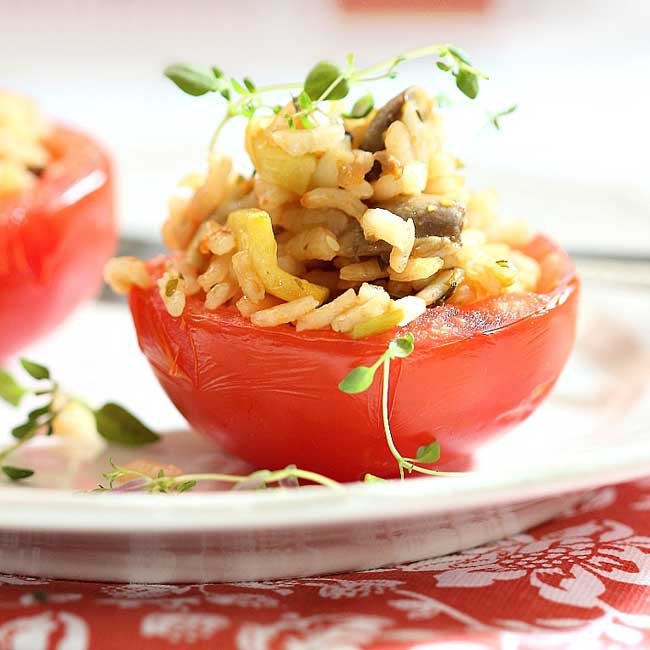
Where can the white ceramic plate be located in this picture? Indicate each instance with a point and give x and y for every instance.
(593, 430)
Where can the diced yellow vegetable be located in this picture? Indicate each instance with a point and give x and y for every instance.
(274, 164)
(378, 324)
(254, 234)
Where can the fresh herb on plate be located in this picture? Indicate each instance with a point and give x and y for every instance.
(134, 480)
(116, 424)
(325, 82)
(16, 473)
(359, 379)
(112, 422)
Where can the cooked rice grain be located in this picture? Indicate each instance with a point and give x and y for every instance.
(207, 198)
(412, 307)
(397, 141)
(171, 288)
(369, 291)
(325, 197)
(217, 271)
(363, 190)
(284, 313)
(351, 173)
(123, 273)
(271, 197)
(314, 244)
(417, 268)
(297, 219)
(378, 223)
(347, 320)
(221, 293)
(363, 271)
(221, 242)
(247, 307)
(247, 278)
(323, 316)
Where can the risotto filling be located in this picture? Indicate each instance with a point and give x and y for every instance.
(358, 224)
(23, 157)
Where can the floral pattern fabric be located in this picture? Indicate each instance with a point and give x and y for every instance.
(581, 582)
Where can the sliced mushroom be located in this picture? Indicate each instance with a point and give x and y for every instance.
(431, 216)
(373, 139)
(354, 244)
(441, 288)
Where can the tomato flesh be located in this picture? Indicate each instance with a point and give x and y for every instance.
(270, 396)
(54, 240)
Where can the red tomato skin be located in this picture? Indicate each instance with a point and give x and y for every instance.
(55, 239)
(270, 396)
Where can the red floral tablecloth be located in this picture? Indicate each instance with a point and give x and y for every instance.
(580, 582)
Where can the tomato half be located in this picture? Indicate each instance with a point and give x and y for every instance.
(55, 239)
(270, 396)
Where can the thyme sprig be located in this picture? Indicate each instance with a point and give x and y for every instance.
(360, 379)
(135, 480)
(114, 423)
(325, 82)
(495, 118)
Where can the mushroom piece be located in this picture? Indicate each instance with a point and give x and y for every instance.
(373, 139)
(353, 243)
(441, 288)
(432, 216)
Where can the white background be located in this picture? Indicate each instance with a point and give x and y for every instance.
(575, 157)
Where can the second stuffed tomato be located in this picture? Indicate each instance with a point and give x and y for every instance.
(55, 237)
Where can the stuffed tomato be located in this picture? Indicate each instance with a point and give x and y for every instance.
(57, 223)
(270, 396)
(355, 230)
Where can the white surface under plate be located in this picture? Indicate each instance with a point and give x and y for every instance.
(593, 430)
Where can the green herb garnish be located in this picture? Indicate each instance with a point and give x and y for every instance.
(16, 473)
(359, 379)
(326, 81)
(35, 370)
(193, 80)
(114, 423)
(494, 118)
(428, 453)
(185, 482)
(10, 390)
(362, 108)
